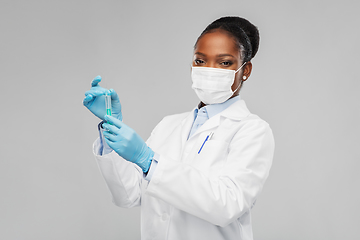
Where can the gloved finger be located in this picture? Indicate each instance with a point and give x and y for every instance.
(88, 98)
(110, 143)
(96, 81)
(95, 93)
(114, 95)
(110, 137)
(110, 119)
(111, 128)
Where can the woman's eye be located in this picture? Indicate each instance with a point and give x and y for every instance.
(198, 61)
(226, 63)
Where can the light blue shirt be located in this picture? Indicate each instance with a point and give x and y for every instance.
(200, 117)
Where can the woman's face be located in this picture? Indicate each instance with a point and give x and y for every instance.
(218, 50)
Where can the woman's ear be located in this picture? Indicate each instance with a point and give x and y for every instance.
(247, 71)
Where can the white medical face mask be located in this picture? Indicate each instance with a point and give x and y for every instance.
(213, 85)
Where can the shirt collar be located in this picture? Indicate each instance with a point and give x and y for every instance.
(214, 109)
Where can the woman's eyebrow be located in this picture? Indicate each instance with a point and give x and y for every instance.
(199, 53)
(225, 55)
(219, 55)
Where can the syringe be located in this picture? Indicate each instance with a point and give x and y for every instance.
(108, 103)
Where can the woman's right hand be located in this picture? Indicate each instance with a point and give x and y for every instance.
(95, 100)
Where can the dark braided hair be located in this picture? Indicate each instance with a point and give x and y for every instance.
(245, 33)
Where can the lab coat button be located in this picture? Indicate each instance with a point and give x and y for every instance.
(165, 217)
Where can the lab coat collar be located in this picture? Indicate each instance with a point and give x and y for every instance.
(236, 111)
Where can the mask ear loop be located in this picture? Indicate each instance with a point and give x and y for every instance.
(241, 81)
(240, 67)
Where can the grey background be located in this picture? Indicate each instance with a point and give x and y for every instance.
(304, 83)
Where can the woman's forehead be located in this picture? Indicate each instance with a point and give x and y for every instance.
(217, 43)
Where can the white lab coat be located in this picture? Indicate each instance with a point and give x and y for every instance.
(195, 196)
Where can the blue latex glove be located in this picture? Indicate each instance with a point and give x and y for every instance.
(127, 143)
(95, 100)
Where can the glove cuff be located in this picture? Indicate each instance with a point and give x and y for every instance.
(147, 162)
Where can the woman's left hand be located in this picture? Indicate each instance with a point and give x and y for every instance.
(95, 100)
(127, 143)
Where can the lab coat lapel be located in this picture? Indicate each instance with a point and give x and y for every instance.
(186, 125)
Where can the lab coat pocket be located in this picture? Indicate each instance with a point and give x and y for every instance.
(212, 156)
